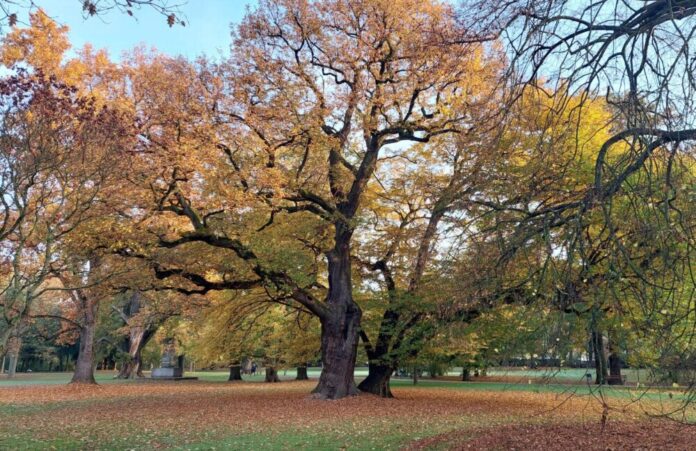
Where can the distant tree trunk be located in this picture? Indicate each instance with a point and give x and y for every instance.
(140, 331)
(12, 368)
(415, 375)
(466, 374)
(246, 365)
(2, 367)
(14, 346)
(615, 377)
(235, 373)
(302, 373)
(272, 374)
(600, 357)
(138, 337)
(84, 367)
(377, 381)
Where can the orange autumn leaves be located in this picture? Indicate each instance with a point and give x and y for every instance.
(196, 411)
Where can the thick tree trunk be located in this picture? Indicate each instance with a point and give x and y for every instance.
(14, 347)
(340, 326)
(138, 337)
(615, 377)
(600, 358)
(272, 374)
(130, 370)
(247, 364)
(235, 373)
(12, 368)
(377, 381)
(466, 374)
(140, 331)
(302, 373)
(339, 343)
(84, 367)
(2, 366)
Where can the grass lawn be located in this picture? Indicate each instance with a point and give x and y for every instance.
(39, 411)
(568, 374)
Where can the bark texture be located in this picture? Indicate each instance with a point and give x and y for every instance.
(340, 325)
(84, 367)
(377, 381)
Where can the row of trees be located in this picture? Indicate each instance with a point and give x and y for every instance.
(393, 171)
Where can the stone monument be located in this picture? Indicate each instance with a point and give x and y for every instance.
(168, 365)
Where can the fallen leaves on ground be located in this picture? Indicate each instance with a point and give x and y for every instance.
(643, 435)
(189, 411)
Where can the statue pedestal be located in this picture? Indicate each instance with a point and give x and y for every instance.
(170, 369)
(167, 373)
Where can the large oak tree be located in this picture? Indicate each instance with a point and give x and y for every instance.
(313, 94)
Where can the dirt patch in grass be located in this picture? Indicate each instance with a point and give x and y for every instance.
(642, 435)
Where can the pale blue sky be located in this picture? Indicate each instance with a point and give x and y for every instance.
(207, 27)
